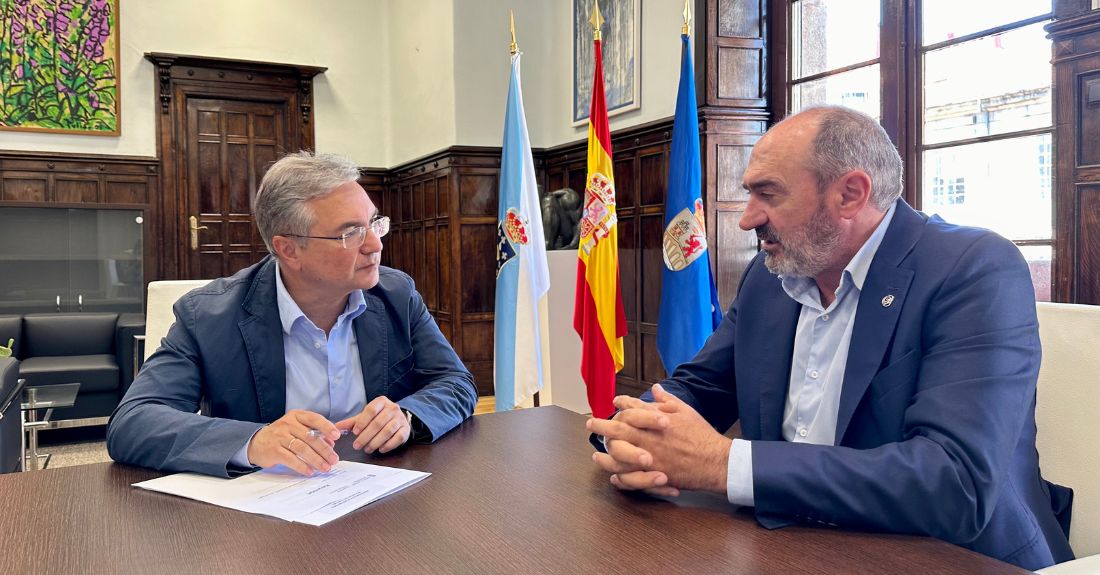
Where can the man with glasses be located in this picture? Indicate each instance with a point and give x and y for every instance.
(315, 341)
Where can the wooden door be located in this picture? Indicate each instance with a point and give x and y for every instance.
(229, 146)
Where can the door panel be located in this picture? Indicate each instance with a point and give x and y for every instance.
(229, 146)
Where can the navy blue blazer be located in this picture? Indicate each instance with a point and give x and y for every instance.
(936, 426)
(225, 353)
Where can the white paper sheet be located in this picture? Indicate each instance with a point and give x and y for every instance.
(282, 493)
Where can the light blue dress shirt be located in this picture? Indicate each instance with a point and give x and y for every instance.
(323, 372)
(820, 355)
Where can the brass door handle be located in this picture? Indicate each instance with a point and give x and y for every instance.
(195, 227)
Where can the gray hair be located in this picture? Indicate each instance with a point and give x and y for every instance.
(279, 204)
(849, 140)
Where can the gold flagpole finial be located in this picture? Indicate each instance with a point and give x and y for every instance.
(596, 19)
(512, 25)
(687, 18)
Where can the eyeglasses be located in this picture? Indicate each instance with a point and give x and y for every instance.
(354, 238)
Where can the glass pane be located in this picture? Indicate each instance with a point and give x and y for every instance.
(51, 257)
(1004, 186)
(105, 260)
(947, 19)
(827, 35)
(857, 89)
(1038, 260)
(992, 85)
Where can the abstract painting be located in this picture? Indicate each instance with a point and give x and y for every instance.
(59, 66)
(621, 44)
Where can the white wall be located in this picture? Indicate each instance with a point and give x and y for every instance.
(544, 33)
(348, 37)
(404, 78)
(422, 78)
(660, 59)
(482, 66)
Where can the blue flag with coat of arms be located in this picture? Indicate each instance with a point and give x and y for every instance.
(521, 361)
(689, 301)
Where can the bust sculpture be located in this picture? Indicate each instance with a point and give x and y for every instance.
(561, 210)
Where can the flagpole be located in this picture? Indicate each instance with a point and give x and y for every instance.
(686, 30)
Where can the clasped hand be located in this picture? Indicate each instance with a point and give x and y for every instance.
(661, 447)
(381, 426)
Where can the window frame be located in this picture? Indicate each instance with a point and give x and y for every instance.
(900, 61)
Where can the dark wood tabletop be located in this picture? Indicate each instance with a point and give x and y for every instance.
(509, 493)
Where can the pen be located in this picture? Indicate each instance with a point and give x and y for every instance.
(319, 433)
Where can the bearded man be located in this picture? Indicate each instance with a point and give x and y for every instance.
(882, 364)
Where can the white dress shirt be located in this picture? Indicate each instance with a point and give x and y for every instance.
(323, 372)
(820, 355)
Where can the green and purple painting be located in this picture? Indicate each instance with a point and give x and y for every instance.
(59, 66)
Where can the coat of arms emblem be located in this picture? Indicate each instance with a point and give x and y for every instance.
(599, 216)
(685, 238)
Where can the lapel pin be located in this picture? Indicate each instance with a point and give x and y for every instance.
(888, 300)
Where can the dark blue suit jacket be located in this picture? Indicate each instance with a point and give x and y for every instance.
(936, 426)
(225, 354)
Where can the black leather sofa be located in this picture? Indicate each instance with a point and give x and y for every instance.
(11, 423)
(93, 349)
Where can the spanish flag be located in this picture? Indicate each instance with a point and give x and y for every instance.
(598, 310)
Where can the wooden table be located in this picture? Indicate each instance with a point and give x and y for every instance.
(510, 493)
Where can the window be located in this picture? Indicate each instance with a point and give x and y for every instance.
(1046, 169)
(963, 89)
(948, 192)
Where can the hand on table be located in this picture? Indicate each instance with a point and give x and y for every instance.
(381, 426)
(287, 441)
(661, 447)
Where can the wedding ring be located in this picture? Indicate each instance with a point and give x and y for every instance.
(290, 444)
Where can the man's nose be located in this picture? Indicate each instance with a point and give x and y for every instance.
(753, 217)
(371, 243)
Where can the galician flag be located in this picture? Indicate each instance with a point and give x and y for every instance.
(598, 310)
(521, 361)
(689, 303)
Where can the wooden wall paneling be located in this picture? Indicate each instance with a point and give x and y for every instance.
(24, 187)
(446, 214)
(76, 189)
(727, 139)
(730, 53)
(739, 51)
(446, 268)
(1067, 8)
(1076, 56)
(127, 189)
(476, 200)
(1088, 222)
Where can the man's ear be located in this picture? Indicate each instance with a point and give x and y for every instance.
(855, 192)
(288, 251)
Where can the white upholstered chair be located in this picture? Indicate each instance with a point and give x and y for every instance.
(1067, 416)
(158, 309)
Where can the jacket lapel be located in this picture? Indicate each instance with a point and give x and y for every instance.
(774, 375)
(880, 303)
(262, 332)
(372, 339)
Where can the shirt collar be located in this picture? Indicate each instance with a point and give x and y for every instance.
(290, 313)
(855, 273)
(861, 262)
